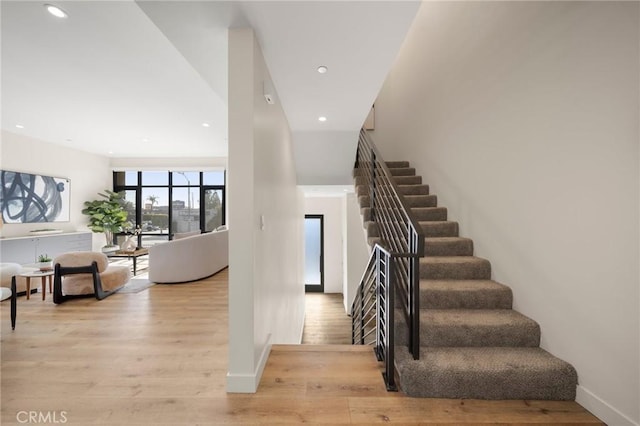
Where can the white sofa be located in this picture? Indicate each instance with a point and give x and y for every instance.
(190, 258)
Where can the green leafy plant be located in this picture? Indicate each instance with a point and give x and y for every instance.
(44, 258)
(106, 214)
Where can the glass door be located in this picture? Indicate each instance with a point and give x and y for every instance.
(313, 253)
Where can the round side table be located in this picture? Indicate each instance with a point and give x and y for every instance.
(38, 274)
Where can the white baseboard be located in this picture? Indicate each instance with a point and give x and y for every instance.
(304, 317)
(262, 362)
(601, 409)
(248, 383)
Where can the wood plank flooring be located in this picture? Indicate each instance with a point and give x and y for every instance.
(159, 357)
(326, 321)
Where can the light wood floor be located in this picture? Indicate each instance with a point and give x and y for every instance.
(326, 321)
(159, 357)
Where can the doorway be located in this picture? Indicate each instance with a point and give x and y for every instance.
(314, 253)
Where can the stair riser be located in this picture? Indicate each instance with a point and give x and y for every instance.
(396, 164)
(403, 171)
(427, 214)
(468, 299)
(403, 189)
(414, 189)
(473, 271)
(500, 385)
(372, 229)
(408, 180)
(448, 229)
(440, 229)
(457, 247)
(449, 336)
(395, 171)
(422, 214)
(398, 180)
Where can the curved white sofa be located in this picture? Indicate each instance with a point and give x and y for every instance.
(190, 258)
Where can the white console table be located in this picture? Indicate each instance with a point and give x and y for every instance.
(26, 249)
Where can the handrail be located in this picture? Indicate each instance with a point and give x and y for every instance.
(402, 240)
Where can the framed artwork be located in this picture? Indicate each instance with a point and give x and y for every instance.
(29, 198)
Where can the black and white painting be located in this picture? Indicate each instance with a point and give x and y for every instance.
(28, 198)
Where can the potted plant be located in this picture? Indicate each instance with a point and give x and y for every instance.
(107, 215)
(45, 263)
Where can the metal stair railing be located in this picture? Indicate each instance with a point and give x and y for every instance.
(372, 312)
(394, 264)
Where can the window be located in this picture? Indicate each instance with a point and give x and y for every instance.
(163, 203)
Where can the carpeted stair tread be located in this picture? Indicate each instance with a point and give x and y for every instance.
(422, 214)
(455, 268)
(486, 373)
(477, 327)
(448, 246)
(429, 213)
(439, 228)
(464, 294)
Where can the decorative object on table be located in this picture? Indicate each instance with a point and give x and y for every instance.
(131, 243)
(45, 263)
(107, 215)
(29, 198)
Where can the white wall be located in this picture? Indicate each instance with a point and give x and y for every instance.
(325, 158)
(88, 174)
(523, 118)
(265, 215)
(356, 249)
(332, 209)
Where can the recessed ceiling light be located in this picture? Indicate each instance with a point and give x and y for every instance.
(322, 69)
(323, 119)
(145, 139)
(19, 126)
(110, 152)
(55, 11)
(205, 124)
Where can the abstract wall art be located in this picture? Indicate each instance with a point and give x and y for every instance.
(29, 198)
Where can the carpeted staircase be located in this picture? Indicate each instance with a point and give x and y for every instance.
(473, 344)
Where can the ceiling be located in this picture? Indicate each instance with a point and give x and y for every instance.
(139, 79)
